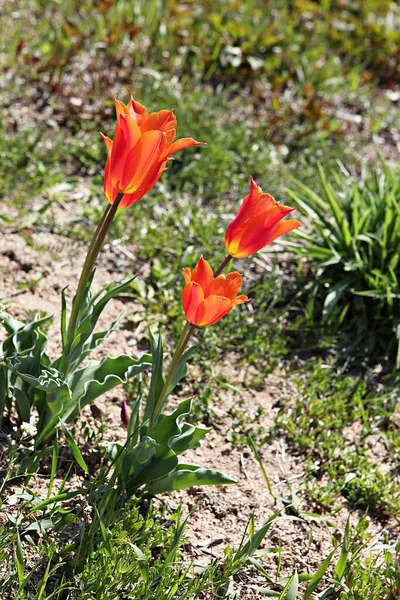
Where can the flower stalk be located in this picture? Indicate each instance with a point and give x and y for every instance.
(222, 266)
(88, 266)
(181, 345)
(179, 350)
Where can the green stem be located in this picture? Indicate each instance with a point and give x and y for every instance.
(90, 260)
(179, 350)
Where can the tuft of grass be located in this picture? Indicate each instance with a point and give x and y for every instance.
(352, 248)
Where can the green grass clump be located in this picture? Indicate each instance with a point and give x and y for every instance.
(352, 245)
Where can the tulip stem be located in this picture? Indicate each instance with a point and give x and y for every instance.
(179, 350)
(88, 266)
(223, 265)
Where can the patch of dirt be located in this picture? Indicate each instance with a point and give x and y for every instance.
(219, 516)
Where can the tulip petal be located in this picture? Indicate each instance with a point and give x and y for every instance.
(227, 286)
(254, 203)
(139, 151)
(240, 300)
(249, 200)
(203, 275)
(120, 108)
(187, 274)
(192, 300)
(215, 307)
(136, 111)
(180, 145)
(207, 299)
(143, 160)
(257, 217)
(282, 228)
(254, 234)
(107, 142)
(151, 181)
(164, 120)
(126, 137)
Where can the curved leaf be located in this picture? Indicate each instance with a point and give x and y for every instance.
(186, 476)
(99, 377)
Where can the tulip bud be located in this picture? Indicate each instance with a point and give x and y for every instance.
(125, 414)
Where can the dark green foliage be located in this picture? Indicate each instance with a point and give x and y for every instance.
(352, 242)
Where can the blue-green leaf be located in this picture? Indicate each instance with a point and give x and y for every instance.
(186, 476)
(157, 380)
(99, 377)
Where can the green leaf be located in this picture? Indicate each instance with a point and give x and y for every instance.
(172, 550)
(157, 380)
(104, 535)
(11, 325)
(314, 582)
(54, 500)
(19, 560)
(254, 542)
(38, 376)
(134, 461)
(63, 318)
(23, 405)
(181, 369)
(332, 299)
(291, 588)
(133, 425)
(142, 562)
(169, 433)
(169, 425)
(264, 591)
(75, 450)
(54, 461)
(160, 466)
(338, 212)
(342, 561)
(3, 390)
(91, 308)
(26, 338)
(188, 438)
(56, 404)
(98, 377)
(56, 400)
(186, 476)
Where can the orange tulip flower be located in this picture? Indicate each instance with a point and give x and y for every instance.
(257, 224)
(143, 143)
(206, 299)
